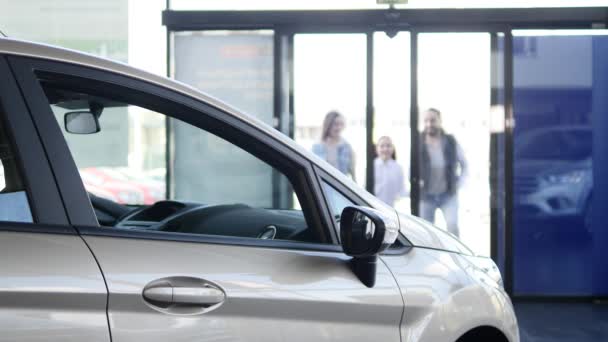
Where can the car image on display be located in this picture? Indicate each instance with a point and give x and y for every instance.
(554, 180)
(145, 210)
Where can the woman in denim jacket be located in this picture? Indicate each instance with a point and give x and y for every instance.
(333, 148)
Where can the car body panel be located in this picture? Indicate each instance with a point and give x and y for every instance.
(271, 294)
(447, 294)
(51, 289)
(423, 234)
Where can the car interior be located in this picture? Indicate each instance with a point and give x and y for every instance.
(12, 179)
(225, 219)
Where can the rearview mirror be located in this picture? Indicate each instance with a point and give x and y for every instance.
(365, 233)
(81, 122)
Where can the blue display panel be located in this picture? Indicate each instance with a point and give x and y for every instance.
(559, 210)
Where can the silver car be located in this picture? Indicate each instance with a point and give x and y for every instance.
(257, 239)
(553, 187)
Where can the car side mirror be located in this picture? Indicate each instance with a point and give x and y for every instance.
(81, 122)
(365, 233)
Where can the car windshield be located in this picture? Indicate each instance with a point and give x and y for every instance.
(568, 145)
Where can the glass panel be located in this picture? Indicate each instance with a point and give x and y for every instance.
(237, 68)
(99, 27)
(454, 79)
(125, 161)
(223, 170)
(330, 83)
(213, 194)
(337, 201)
(392, 119)
(125, 30)
(233, 66)
(560, 81)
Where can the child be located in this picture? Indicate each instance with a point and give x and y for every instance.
(389, 184)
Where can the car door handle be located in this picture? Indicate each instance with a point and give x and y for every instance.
(204, 296)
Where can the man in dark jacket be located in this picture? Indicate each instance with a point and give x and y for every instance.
(442, 171)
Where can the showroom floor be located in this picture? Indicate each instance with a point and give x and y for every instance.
(561, 322)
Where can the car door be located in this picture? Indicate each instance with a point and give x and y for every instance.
(242, 250)
(51, 288)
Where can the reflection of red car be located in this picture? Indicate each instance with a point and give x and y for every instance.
(121, 191)
(153, 189)
(100, 192)
(133, 189)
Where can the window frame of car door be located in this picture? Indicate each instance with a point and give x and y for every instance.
(80, 212)
(44, 200)
(401, 246)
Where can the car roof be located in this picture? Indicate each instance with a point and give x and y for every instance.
(18, 47)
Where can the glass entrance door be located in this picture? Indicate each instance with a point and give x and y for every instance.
(457, 115)
(459, 80)
(391, 124)
(330, 99)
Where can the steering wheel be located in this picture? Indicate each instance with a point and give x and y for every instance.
(269, 232)
(236, 220)
(197, 220)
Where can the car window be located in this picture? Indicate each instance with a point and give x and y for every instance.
(556, 143)
(215, 187)
(14, 205)
(337, 202)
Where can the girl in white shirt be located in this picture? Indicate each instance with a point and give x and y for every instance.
(389, 184)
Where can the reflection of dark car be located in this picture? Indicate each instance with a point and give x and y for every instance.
(553, 174)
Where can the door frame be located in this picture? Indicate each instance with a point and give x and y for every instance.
(197, 113)
(286, 24)
(48, 212)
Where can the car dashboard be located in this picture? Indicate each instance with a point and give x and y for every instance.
(236, 220)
